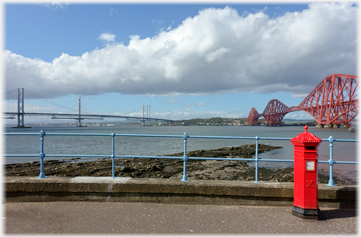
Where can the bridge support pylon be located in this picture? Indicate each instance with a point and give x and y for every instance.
(319, 125)
(21, 109)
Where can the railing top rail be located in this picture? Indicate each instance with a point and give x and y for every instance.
(342, 140)
(147, 135)
(274, 138)
(173, 136)
(222, 137)
(79, 134)
(8, 133)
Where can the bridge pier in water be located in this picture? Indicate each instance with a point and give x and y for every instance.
(345, 125)
(327, 125)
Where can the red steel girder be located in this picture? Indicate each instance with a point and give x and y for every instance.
(334, 100)
(253, 117)
(274, 112)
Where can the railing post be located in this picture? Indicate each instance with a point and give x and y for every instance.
(113, 153)
(331, 162)
(42, 155)
(185, 158)
(256, 160)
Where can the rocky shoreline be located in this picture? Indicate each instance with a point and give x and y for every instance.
(169, 168)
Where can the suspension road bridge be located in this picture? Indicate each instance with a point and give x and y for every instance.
(334, 101)
(17, 110)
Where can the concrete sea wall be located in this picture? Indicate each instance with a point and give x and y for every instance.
(120, 189)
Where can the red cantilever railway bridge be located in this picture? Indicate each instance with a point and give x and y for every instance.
(333, 101)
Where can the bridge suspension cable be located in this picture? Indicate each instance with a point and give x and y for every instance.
(53, 104)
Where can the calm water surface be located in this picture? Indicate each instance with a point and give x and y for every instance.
(25, 144)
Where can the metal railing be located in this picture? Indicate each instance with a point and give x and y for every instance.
(185, 138)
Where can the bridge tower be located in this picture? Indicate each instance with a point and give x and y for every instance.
(146, 121)
(274, 112)
(21, 109)
(143, 114)
(79, 119)
(253, 117)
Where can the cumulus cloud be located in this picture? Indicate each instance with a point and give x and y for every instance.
(172, 101)
(107, 37)
(216, 51)
(212, 56)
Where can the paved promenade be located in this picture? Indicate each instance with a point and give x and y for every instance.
(160, 218)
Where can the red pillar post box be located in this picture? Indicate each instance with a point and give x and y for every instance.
(305, 175)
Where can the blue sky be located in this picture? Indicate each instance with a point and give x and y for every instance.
(185, 60)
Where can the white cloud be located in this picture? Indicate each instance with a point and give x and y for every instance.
(157, 22)
(298, 115)
(107, 37)
(172, 101)
(216, 51)
(212, 56)
(200, 104)
(112, 11)
(55, 5)
(191, 113)
(188, 104)
(187, 113)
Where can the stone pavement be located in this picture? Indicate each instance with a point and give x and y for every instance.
(164, 218)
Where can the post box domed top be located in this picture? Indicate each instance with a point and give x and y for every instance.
(306, 138)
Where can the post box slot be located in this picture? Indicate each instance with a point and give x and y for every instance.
(310, 148)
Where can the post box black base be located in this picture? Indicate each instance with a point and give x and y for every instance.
(306, 214)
